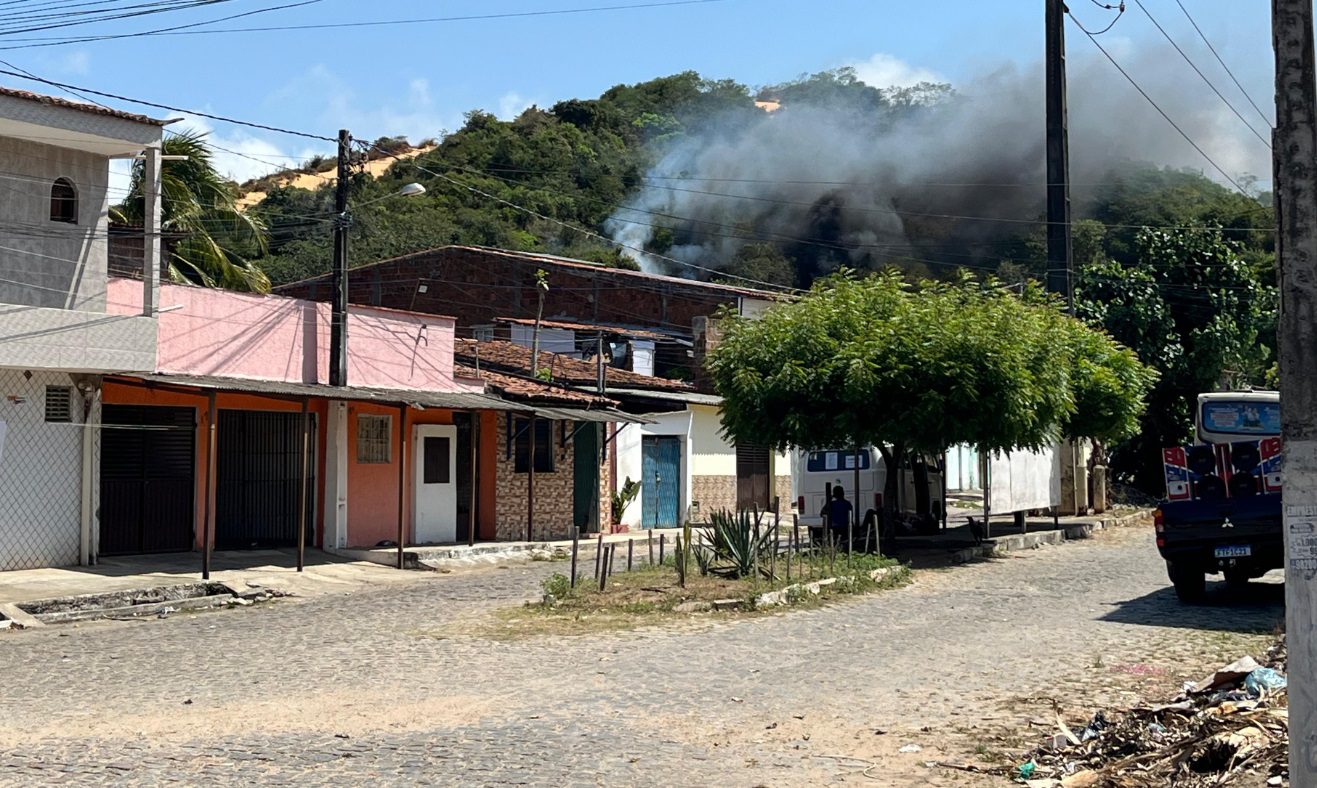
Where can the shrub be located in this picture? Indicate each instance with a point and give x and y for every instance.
(556, 586)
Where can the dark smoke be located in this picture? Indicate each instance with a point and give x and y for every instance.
(833, 185)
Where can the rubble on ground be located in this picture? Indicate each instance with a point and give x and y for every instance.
(1232, 726)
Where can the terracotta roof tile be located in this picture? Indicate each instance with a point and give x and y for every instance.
(509, 356)
(637, 333)
(533, 391)
(80, 106)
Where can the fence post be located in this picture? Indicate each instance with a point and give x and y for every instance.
(651, 548)
(603, 572)
(576, 543)
(630, 548)
(663, 538)
(598, 555)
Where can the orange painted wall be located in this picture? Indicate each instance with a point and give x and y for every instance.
(126, 394)
(373, 487)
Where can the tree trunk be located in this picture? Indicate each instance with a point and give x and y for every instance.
(892, 458)
(923, 501)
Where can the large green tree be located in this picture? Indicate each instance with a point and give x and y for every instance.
(1192, 306)
(877, 361)
(215, 242)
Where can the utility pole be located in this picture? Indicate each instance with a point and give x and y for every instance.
(1060, 254)
(338, 327)
(1295, 172)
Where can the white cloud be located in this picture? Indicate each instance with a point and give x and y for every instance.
(76, 62)
(412, 113)
(512, 104)
(886, 71)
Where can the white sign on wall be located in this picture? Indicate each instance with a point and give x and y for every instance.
(1024, 480)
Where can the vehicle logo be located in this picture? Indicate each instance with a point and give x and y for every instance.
(1227, 524)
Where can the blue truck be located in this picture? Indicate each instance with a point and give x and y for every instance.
(1222, 510)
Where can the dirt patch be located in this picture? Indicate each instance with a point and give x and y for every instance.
(654, 595)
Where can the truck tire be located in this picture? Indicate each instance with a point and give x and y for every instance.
(1190, 581)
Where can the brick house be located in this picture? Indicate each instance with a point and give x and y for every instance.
(657, 327)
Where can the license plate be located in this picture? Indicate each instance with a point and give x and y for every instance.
(1234, 551)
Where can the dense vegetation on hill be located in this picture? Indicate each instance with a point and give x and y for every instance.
(1196, 304)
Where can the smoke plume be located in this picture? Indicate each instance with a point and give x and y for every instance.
(835, 185)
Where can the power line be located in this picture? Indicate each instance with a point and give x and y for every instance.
(1120, 12)
(1220, 60)
(146, 103)
(1200, 73)
(1162, 112)
(369, 23)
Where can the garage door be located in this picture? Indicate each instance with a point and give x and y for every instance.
(259, 479)
(148, 457)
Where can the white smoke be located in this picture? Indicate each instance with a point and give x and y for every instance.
(861, 189)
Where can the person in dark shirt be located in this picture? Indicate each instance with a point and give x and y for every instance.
(838, 509)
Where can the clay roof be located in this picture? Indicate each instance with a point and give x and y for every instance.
(525, 390)
(93, 109)
(508, 356)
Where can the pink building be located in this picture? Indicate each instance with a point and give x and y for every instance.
(236, 440)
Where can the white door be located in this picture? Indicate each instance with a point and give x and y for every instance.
(435, 480)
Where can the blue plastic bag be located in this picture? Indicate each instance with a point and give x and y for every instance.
(1264, 680)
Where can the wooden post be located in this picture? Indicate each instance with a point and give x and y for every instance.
(791, 546)
(603, 570)
(680, 563)
(301, 501)
(474, 507)
(402, 483)
(530, 477)
(576, 545)
(211, 415)
(630, 549)
(662, 545)
(651, 547)
(598, 555)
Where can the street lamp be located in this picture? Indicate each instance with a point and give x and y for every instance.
(338, 327)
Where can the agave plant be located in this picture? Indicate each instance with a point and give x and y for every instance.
(199, 205)
(736, 544)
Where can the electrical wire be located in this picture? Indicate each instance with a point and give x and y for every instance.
(45, 42)
(156, 105)
(1162, 112)
(1200, 73)
(1222, 61)
(1119, 9)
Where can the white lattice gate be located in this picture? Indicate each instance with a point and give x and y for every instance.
(40, 469)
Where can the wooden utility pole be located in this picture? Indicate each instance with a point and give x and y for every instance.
(1060, 254)
(1295, 173)
(338, 327)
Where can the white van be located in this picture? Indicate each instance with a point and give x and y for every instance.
(813, 471)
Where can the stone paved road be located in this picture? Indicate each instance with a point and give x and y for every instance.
(389, 686)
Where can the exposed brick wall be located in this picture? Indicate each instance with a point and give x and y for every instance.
(476, 286)
(712, 493)
(782, 489)
(553, 492)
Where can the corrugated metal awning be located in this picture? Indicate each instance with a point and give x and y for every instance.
(454, 400)
(575, 414)
(690, 397)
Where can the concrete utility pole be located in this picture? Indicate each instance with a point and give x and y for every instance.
(1060, 254)
(1295, 173)
(338, 327)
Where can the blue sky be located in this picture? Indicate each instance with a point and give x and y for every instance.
(418, 79)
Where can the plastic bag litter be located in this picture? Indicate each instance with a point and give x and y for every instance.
(1264, 680)
(1094, 728)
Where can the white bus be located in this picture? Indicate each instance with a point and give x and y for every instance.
(813, 471)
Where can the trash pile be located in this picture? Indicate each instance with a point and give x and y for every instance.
(1232, 726)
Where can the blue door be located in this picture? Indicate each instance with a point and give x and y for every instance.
(660, 492)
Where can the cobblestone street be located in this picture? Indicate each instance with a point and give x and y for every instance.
(391, 686)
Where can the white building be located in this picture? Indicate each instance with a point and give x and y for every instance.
(55, 333)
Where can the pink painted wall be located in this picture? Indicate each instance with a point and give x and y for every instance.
(218, 332)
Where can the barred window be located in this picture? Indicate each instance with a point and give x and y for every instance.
(63, 202)
(374, 439)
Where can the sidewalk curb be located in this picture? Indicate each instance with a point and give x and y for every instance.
(1002, 545)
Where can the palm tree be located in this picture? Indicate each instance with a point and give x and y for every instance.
(199, 206)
